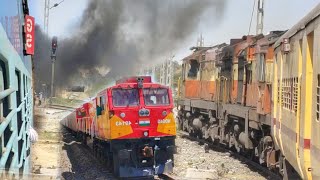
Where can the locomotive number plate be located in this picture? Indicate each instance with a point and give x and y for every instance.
(123, 123)
(163, 121)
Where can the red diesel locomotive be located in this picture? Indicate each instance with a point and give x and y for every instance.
(132, 126)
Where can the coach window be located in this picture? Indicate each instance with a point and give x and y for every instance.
(262, 68)
(193, 72)
(102, 102)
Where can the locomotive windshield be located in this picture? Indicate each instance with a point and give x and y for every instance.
(125, 97)
(156, 96)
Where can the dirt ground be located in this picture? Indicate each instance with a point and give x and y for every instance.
(46, 153)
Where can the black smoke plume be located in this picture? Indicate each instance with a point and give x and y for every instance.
(116, 37)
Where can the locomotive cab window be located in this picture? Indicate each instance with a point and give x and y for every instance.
(125, 97)
(100, 105)
(102, 102)
(156, 96)
(193, 72)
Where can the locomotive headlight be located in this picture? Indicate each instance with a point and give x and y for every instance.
(122, 114)
(144, 112)
(145, 133)
(164, 113)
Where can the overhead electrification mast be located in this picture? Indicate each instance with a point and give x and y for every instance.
(260, 14)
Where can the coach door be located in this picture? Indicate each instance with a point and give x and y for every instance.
(315, 124)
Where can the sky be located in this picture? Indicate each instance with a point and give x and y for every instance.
(234, 23)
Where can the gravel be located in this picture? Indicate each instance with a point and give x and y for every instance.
(57, 154)
(76, 161)
(192, 162)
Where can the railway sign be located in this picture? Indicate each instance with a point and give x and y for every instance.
(29, 35)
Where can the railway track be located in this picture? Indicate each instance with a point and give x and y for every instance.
(61, 107)
(219, 147)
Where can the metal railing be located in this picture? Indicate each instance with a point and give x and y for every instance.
(15, 157)
(16, 111)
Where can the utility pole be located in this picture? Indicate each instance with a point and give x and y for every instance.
(53, 59)
(46, 16)
(52, 76)
(260, 15)
(200, 41)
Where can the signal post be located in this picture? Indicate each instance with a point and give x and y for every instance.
(53, 59)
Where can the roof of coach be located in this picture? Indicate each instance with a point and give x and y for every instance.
(196, 54)
(198, 51)
(268, 39)
(302, 24)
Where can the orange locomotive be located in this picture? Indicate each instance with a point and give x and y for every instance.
(260, 96)
(132, 126)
